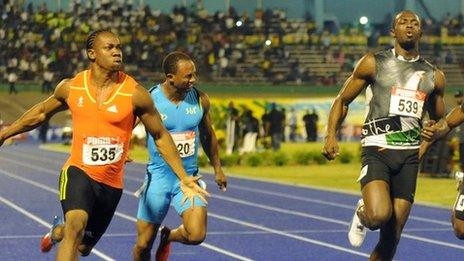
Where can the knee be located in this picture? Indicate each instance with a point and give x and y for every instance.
(377, 217)
(74, 228)
(85, 250)
(196, 237)
(458, 228)
(142, 246)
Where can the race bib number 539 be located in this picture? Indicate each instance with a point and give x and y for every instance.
(406, 102)
(101, 151)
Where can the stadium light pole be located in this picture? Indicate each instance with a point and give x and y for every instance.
(227, 3)
(260, 3)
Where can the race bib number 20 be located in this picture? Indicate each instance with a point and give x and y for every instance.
(406, 102)
(185, 143)
(101, 151)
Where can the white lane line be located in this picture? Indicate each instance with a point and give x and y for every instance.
(322, 202)
(247, 232)
(274, 231)
(328, 220)
(282, 210)
(225, 252)
(122, 215)
(235, 221)
(46, 224)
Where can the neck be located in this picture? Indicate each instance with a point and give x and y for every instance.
(172, 92)
(407, 53)
(102, 78)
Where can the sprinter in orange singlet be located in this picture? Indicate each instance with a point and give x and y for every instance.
(104, 102)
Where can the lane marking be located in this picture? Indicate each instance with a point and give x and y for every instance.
(122, 215)
(278, 194)
(46, 224)
(404, 234)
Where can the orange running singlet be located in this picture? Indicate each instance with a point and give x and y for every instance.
(101, 134)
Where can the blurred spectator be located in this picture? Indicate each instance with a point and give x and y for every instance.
(292, 123)
(311, 120)
(250, 132)
(12, 78)
(43, 130)
(276, 125)
(47, 81)
(232, 129)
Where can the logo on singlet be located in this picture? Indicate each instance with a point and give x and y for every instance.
(191, 110)
(113, 109)
(80, 102)
(163, 116)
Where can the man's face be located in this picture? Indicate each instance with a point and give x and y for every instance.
(407, 30)
(107, 51)
(185, 77)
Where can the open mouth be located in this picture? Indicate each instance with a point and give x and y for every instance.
(409, 34)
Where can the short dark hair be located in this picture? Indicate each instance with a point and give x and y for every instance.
(91, 39)
(171, 60)
(404, 11)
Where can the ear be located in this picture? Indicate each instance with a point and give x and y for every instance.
(392, 32)
(91, 54)
(170, 77)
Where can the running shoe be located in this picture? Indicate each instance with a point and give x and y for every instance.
(357, 231)
(164, 248)
(47, 242)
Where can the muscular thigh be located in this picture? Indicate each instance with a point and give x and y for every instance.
(375, 180)
(107, 199)
(403, 184)
(155, 199)
(374, 166)
(194, 218)
(75, 190)
(179, 204)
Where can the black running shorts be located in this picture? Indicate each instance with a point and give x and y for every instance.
(398, 168)
(79, 191)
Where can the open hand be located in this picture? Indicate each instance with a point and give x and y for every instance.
(190, 188)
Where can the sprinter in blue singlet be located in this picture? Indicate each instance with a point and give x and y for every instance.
(184, 111)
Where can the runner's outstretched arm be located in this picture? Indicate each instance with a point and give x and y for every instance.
(39, 113)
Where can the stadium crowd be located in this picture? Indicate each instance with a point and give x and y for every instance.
(40, 45)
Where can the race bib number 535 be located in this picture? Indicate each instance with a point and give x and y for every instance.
(406, 102)
(101, 151)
